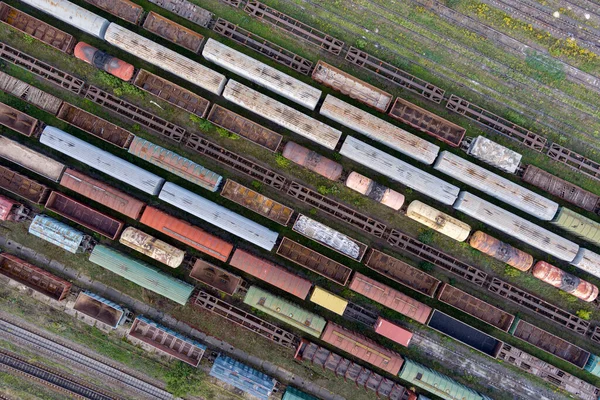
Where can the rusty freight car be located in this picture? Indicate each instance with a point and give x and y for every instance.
(35, 28)
(428, 122)
(173, 32)
(99, 308)
(17, 120)
(23, 186)
(84, 215)
(36, 278)
(11, 210)
(215, 277)
(257, 202)
(123, 9)
(152, 247)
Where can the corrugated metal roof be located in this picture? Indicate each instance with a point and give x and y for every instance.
(578, 225)
(243, 377)
(399, 171)
(285, 311)
(588, 261)
(57, 233)
(141, 274)
(593, 365)
(516, 226)
(219, 216)
(495, 154)
(379, 130)
(101, 160)
(164, 58)
(172, 332)
(295, 394)
(327, 236)
(30, 159)
(329, 300)
(393, 332)
(261, 74)
(496, 186)
(436, 383)
(282, 114)
(176, 164)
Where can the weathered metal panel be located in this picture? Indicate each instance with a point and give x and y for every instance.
(35, 28)
(281, 114)
(99, 308)
(219, 216)
(329, 300)
(578, 225)
(501, 251)
(377, 129)
(351, 86)
(165, 59)
(123, 9)
(173, 32)
(73, 15)
(517, 227)
(23, 186)
(438, 221)
(31, 160)
(30, 94)
(57, 233)
(271, 273)
(101, 160)
(152, 247)
(186, 233)
(495, 154)
(243, 377)
(496, 186)
(17, 120)
(565, 281)
(141, 274)
(257, 202)
(400, 171)
(588, 261)
(331, 238)
(215, 277)
(313, 161)
(428, 122)
(187, 10)
(576, 161)
(261, 74)
(393, 332)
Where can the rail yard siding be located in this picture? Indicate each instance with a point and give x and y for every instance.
(379, 130)
(186, 233)
(101, 160)
(517, 227)
(17, 120)
(578, 225)
(438, 221)
(351, 86)
(390, 298)
(241, 376)
(141, 274)
(495, 154)
(399, 171)
(261, 74)
(496, 186)
(165, 59)
(57, 233)
(271, 273)
(99, 308)
(23, 186)
(281, 114)
(152, 247)
(329, 300)
(215, 277)
(329, 237)
(588, 261)
(31, 160)
(173, 32)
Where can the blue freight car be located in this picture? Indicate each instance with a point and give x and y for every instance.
(57, 233)
(243, 377)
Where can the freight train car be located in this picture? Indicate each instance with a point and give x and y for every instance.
(58, 233)
(243, 377)
(438, 221)
(375, 191)
(152, 247)
(393, 332)
(30, 159)
(564, 281)
(30, 94)
(17, 120)
(578, 225)
(23, 186)
(11, 210)
(312, 161)
(329, 300)
(99, 309)
(587, 261)
(173, 32)
(101, 60)
(123, 9)
(215, 277)
(495, 154)
(501, 251)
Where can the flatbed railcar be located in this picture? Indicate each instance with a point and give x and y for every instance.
(30, 94)
(23, 186)
(17, 121)
(124, 9)
(30, 159)
(215, 277)
(173, 32)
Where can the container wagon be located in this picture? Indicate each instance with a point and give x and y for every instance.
(84, 215)
(312, 161)
(399, 171)
(329, 300)
(17, 120)
(578, 225)
(501, 251)
(244, 378)
(30, 159)
(101, 60)
(379, 130)
(281, 114)
(99, 308)
(393, 332)
(124, 9)
(261, 74)
(564, 281)
(351, 86)
(271, 273)
(438, 221)
(165, 59)
(152, 247)
(215, 277)
(173, 32)
(186, 233)
(57, 233)
(11, 210)
(375, 191)
(23, 186)
(428, 122)
(495, 154)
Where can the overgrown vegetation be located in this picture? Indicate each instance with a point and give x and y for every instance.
(119, 86)
(281, 161)
(183, 380)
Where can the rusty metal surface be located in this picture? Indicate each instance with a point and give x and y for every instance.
(152, 247)
(23, 186)
(41, 69)
(539, 306)
(427, 122)
(263, 46)
(173, 32)
(139, 116)
(215, 277)
(294, 27)
(98, 310)
(233, 3)
(35, 28)
(337, 210)
(496, 123)
(123, 9)
(187, 10)
(94, 125)
(402, 273)
(238, 163)
(17, 120)
(83, 215)
(314, 261)
(246, 320)
(244, 127)
(596, 334)
(576, 161)
(436, 257)
(395, 75)
(550, 343)
(475, 307)
(257, 202)
(29, 94)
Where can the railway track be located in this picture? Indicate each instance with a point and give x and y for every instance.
(55, 380)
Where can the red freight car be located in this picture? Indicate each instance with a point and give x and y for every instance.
(11, 210)
(393, 332)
